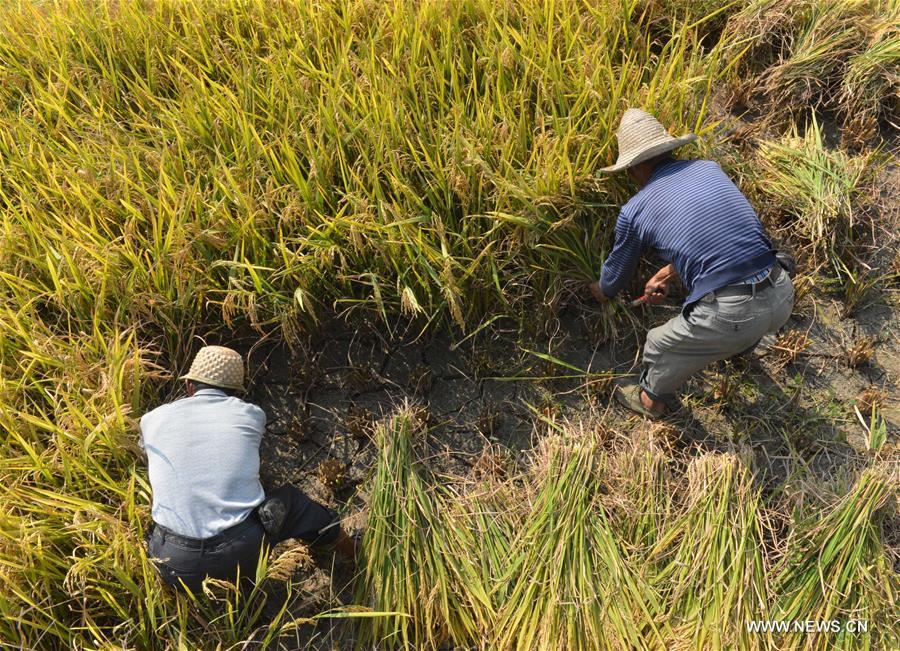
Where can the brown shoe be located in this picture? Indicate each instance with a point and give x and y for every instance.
(628, 394)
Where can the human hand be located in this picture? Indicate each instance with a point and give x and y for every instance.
(656, 291)
(597, 293)
(657, 288)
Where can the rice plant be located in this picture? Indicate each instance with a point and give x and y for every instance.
(870, 89)
(861, 351)
(824, 42)
(274, 161)
(787, 347)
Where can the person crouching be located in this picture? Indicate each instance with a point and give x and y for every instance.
(211, 516)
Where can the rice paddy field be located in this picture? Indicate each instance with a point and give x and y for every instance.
(392, 209)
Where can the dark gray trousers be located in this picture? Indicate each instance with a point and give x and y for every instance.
(188, 561)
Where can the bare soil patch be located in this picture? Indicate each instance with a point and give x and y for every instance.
(500, 388)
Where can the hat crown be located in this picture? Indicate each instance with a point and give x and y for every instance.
(638, 128)
(217, 366)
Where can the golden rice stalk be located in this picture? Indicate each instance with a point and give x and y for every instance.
(836, 569)
(570, 584)
(712, 571)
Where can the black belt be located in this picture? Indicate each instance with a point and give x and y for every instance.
(747, 289)
(201, 543)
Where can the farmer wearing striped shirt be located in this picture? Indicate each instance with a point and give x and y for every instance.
(693, 217)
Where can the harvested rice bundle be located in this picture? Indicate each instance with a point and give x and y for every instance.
(639, 492)
(870, 89)
(491, 506)
(474, 540)
(836, 569)
(430, 557)
(811, 66)
(571, 587)
(633, 611)
(829, 54)
(401, 564)
(712, 566)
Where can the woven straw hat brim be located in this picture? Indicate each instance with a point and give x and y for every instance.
(641, 155)
(213, 382)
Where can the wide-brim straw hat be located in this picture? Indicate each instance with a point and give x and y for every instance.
(217, 366)
(641, 137)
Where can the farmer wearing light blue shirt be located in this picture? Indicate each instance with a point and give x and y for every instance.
(211, 515)
(692, 216)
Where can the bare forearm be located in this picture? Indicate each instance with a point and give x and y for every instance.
(666, 273)
(657, 288)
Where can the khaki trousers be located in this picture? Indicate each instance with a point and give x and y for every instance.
(720, 325)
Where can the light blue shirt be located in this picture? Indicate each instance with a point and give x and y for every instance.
(203, 462)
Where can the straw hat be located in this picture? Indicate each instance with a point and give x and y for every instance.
(219, 367)
(641, 137)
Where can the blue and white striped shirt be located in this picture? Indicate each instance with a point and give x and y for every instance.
(693, 216)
